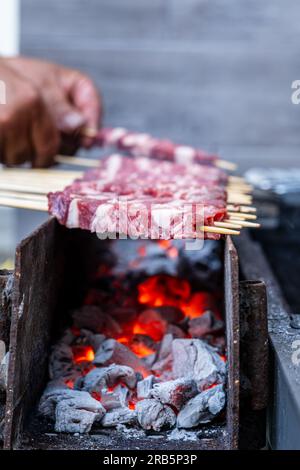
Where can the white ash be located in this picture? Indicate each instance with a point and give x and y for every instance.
(92, 318)
(115, 399)
(193, 358)
(61, 360)
(145, 386)
(182, 435)
(130, 433)
(149, 360)
(164, 361)
(4, 372)
(55, 390)
(93, 339)
(77, 413)
(152, 414)
(113, 352)
(205, 324)
(202, 408)
(175, 331)
(105, 377)
(175, 392)
(119, 416)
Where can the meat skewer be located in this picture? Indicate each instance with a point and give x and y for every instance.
(145, 145)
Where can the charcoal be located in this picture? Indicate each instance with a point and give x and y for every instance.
(4, 372)
(152, 414)
(163, 368)
(68, 337)
(202, 408)
(205, 324)
(152, 323)
(139, 340)
(115, 399)
(113, 352)
(170, 314)
(194, 359)
(123, 314)
(175, 392)
(145, 386)
(149, 360)
(107, 377)
(55, 390)
(119, 416)
(165, 346)
(175, 331)
(163, 364)
(77, 413)
(61, 361)
(92, 318)
(94, 339)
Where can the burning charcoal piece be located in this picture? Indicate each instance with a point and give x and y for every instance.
(175, 331)
(119, 416)
(152, 414)
(193, 358)
(170, 314)
(123, 314)
(163, 364)
(151, 323)
(149, 360)
(55, 391)
(113, 352)
(67, 337)
(175, 392)
(77, 413)
(117, 398)
(145, 386)
(94, 339)
(61, 361)
(107, 377)
(202, 408)
(92, 318)
(205, 324)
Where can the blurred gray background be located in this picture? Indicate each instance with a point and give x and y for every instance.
(214, 73)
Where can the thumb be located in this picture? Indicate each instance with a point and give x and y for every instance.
(68, 119)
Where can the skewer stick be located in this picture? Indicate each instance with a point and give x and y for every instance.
(237, 208)
(244, 223)
(77, 161)
(23, 196)
(228, 224)
(239, 215)
(23, 204)
(225, 165)
(219, 230)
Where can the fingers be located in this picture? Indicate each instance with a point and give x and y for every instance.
(45, 137)
(85, 97)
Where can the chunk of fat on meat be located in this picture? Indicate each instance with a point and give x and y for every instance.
(105, 219)
(73, 214)
(115, 164)
(184, 155)
(115, 134)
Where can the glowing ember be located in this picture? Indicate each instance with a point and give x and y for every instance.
(69, 383)
(83, 354)
(161, 290)
(131, 405)
(165, 290)
(141, 350)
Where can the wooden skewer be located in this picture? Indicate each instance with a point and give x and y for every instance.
(79, 161)
(239, 215)
(236, 179)
(228, 224)
(23, 196)
(23, 204)
(244, 223)
(219, 230)
(225, 165)
(236, 208)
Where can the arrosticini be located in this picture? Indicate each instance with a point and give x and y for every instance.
(114, 460)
